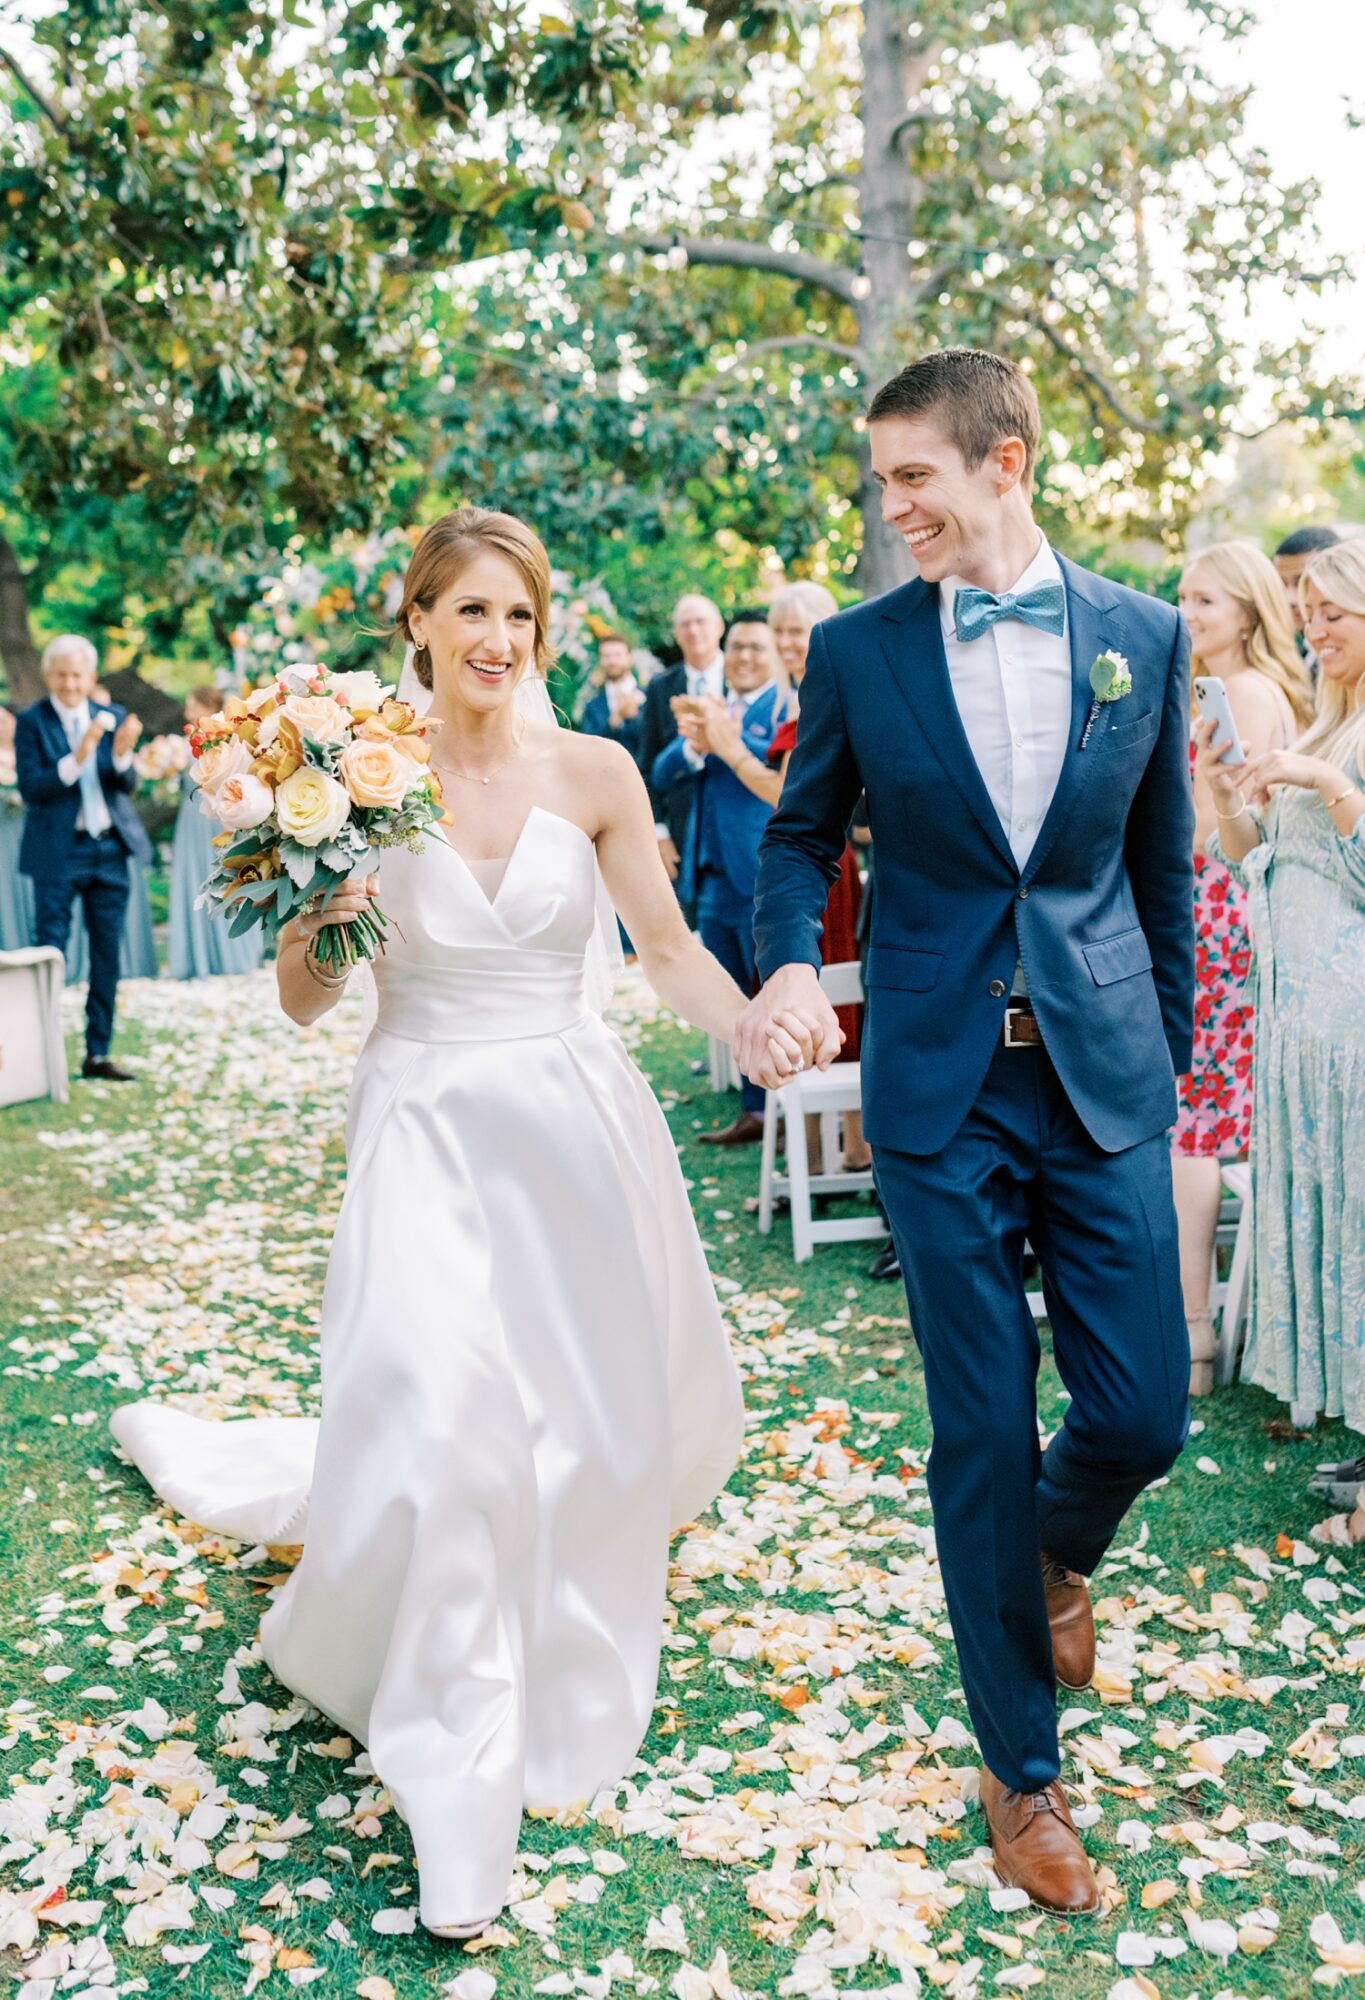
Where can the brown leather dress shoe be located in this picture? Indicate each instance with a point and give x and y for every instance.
(1037, 1849)
(1073, 1625)
(747, 1130)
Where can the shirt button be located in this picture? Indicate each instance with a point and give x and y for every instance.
(1018, 742)
(997, 989)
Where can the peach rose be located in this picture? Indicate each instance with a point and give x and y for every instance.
(311, 807)
(228, 758)
(318, 716)
(239, 801)
(376, 773)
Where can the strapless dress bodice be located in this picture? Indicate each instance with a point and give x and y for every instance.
(463, 966)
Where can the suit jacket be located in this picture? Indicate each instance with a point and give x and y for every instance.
(1101, 916)
(597, 721)
(723, 834)
(673, 804)
(40, 743)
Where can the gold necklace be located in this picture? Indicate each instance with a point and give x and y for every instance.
(472, 777)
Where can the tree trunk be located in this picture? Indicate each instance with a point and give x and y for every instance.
(17, 650)
(892, 78)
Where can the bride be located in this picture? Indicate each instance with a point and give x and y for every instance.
(525, 1378)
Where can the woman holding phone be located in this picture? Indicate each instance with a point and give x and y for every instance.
(1241, 636)
(1291, 827)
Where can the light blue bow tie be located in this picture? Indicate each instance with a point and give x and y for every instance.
(975, 611)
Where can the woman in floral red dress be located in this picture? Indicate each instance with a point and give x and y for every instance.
(1240, 631)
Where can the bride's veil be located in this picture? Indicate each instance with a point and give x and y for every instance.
(605, 959)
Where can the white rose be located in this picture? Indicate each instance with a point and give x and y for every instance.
(229, 757)
(318, 716)
(311, 807)
(362, 690)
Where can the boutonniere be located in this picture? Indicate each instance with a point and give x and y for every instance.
(1110, 680)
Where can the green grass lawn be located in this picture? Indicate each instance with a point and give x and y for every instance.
(801, 1821)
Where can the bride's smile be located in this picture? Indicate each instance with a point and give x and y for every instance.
(479, 636)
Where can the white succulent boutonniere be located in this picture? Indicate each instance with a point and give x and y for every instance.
(1110, 680)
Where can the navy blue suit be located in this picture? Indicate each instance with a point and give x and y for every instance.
(720, 850)
(978, 1146)
(65, 864)
(597, 721)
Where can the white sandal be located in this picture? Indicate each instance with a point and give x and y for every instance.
(454, 1932)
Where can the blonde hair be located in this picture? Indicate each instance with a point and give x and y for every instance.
(69, 642)
(811, 601)
(1248, 575)
(1337, 732)
(446, 551)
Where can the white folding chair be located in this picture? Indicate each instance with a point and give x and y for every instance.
(1229, 1299)
(825, 1094)
(32, 1051)
(721, 1065)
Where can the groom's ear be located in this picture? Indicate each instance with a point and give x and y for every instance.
(1010, 459)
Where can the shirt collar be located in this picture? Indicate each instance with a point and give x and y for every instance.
(713, 674)
(747, 700)
(1044, 568)
(80, 713)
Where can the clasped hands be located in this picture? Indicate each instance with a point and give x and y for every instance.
(788, 1027)
(1252, 782)
(707, 725)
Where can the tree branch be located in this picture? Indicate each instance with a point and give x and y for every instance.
(1153, 427)
(726, 371)
(52, 115)
(733, 254)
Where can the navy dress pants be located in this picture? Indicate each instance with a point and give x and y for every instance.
(1104, 1230)
(725, 920)
(98, 874)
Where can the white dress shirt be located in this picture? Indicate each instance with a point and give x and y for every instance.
(75, 721)
(1012, 687)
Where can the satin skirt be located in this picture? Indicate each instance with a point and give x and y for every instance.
(16, 890)
(526, 1384)
(200, 945)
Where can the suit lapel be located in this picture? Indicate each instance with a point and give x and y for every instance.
(1092, 623)
(912, 640)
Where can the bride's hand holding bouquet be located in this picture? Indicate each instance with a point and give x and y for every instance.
(308, 777)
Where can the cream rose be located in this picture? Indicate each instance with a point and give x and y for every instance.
(311, 807)
(364, 690)
(227, 759)
(318, 716)
(239, 801)
(375, 772)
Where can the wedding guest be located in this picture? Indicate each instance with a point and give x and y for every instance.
(698, 628)
(75, 767)
(16, 895)
(137, 957)
(720, 856)
(1291, 559)
(1239, 631)
(1291, 827)
(616, 709)
(200, 942)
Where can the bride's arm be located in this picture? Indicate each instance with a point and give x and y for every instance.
(677, 965)
(307, 989)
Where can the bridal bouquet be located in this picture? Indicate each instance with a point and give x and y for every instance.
(308, 776)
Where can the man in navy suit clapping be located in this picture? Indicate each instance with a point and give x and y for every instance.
(720, 853)
(616, 709)
(75, 769)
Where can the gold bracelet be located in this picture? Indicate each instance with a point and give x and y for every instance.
(1331, 804)
(317, 972)
(1239, 812)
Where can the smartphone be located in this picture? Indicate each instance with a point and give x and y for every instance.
(1211, 698)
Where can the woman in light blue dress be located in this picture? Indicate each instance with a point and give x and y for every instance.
(1291, 827)
(16, 891)
(200, 945)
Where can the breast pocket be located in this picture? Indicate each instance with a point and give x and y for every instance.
(911, 971)
(1129, 735)
(1122, 956)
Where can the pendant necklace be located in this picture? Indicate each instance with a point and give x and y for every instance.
(472, 777)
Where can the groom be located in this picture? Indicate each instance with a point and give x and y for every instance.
(1021, 730)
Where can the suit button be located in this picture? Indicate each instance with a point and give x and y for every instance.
(1024, 891)
(997, 989)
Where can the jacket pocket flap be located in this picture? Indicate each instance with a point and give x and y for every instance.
(893, 965)
(1117, 957)
(1123, 734)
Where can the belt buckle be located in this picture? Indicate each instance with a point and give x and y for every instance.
(1011, 1015)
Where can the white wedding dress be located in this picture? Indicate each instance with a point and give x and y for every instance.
(525, 1381)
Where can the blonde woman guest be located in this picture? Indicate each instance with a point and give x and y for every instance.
(1240, 631)
(200, 942)
(1291, 827)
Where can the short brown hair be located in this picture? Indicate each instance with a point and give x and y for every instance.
(613, 639)
(447, 549)
(979, 398)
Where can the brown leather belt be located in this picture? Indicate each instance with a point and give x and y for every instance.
(1021, 1030)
